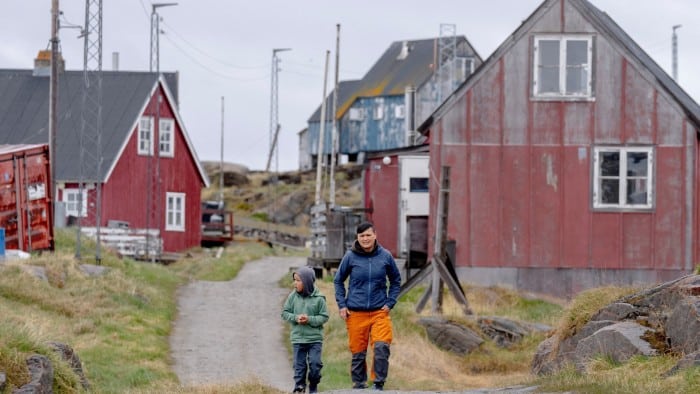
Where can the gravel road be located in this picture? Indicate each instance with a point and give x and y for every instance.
(229, 332)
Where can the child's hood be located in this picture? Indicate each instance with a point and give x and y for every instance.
(308, 277)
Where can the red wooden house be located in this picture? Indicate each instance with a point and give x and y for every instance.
(150, 176)
(573, 160)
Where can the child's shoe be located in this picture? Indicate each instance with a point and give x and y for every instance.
(359, 386)
(299, 389)
(313, 388)
(378, 386)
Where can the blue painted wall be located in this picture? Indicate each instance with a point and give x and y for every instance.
(378, 127)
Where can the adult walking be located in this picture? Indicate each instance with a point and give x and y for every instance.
(366, 303)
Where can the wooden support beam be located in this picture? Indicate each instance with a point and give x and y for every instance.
(452, 284)
(424, 299)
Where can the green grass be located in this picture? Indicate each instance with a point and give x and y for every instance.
(119, 324)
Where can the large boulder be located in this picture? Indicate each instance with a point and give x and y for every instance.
(505, 332)
(659, 320)
(451, 336)
(618, 341)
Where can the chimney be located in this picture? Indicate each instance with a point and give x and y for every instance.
(42, 64)
(115, 61)
(405, 49)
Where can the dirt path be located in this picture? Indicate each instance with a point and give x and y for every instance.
(229, 332)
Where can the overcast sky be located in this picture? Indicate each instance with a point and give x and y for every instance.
(224, 49)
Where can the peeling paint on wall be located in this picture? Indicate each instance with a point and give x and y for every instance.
(552, 179)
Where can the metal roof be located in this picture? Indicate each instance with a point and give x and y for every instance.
(606, 24)
(392, 73)
(346, 92)
(24, 113)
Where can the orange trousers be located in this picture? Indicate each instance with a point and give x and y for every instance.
(366, 328)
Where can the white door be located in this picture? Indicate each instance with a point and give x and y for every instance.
(413, 194)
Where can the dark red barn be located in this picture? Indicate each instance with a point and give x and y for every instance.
(573, 160)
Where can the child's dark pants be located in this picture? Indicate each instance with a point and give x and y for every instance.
(307, 357)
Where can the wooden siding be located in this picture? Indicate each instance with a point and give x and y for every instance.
(125, 195)
(381, 185)
(521, 192)
(369, 134)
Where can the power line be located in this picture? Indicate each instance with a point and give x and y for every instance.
(197, 62)
(180, 36)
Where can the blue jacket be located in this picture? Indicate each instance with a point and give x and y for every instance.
(368, 273)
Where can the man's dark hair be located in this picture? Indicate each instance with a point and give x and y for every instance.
(364, 226)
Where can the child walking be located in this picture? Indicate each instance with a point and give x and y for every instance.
(305, 309)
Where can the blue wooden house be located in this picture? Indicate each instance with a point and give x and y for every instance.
(382, 110)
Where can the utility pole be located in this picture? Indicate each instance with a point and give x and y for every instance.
(91, 126)
(322, 131)
(334, 133)
(274, 133)
(674, 39)
(155, 34)
(274, 126)
(53, 104)
(153, 194)
(221, 163)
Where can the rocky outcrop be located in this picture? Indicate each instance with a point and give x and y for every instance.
(71, 357)
(451, 336)
(41, 373)
(660, 320)
(459, 339)
(505, 332)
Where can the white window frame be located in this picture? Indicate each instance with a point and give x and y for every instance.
(400, 111)
(623, 178)
(175, 211)
(72, 207)
(166, 137)
(145, 142)
(564, 69)
(378, 112)
(356, 114)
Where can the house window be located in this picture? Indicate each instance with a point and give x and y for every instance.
(418, 185)
(563, 66)
(145, 134)
(378, 111)
(356, 114)
(463, 69)
(167, 138)
(175, 211)
(400, 111)
(623, 177)
(75, 205)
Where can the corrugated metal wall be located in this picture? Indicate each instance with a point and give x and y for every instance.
(521, 169)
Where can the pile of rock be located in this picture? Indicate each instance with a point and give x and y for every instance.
(661, 320)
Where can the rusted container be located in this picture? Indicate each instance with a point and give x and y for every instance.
(25, 197)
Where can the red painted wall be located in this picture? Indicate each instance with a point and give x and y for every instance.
(125, 195)
(521, 171)
(381, 188)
